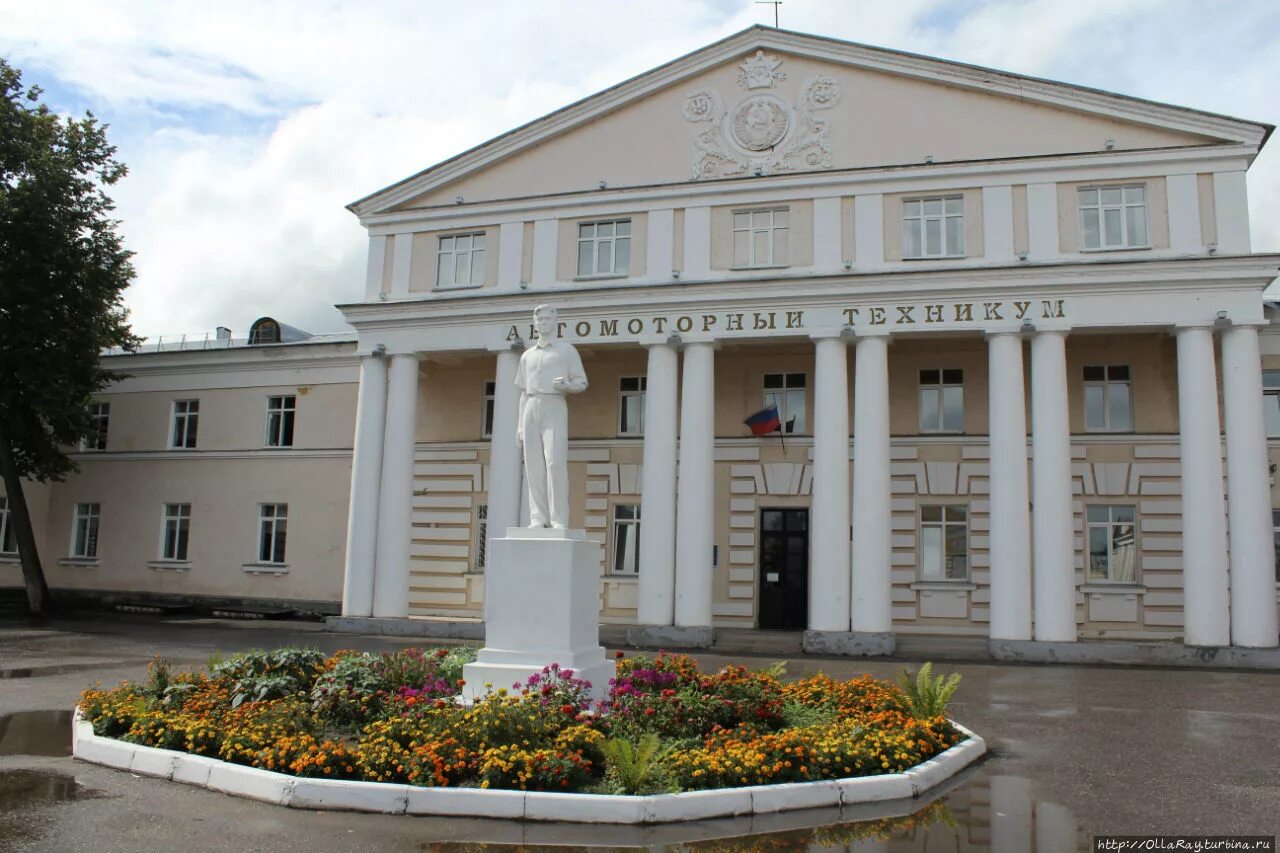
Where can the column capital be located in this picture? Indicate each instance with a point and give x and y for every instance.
(1051, 327)
(1011, 328)
(518, 345)
(1256, 325)
(1206, 325)
(831, 332)
(865, 332)
(688, 339)
(672, 340)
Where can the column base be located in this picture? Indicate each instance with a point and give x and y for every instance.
(859, 644)
(671, 636)
(1134, 653)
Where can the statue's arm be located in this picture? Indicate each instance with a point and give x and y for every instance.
(520, 417)
(576, 381)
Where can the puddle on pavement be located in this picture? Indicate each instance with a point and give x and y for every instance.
(24, 792)
(36, 733)
(49, 669)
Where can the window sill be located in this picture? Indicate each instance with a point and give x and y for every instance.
(1084, 251)
(277, 447)
(170, 565)
(449, 287)
(1088, 431)
(760, 267)
(944, 432)
(602, 276)
(954, 586)
(1113, 588)
(10, 560)
(87, 562)
(622, 576)
(936, 258)
(266, 568)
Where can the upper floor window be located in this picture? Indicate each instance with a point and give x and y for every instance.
(280, 415)
(8, 536)
(1275, 532)
(942, 400)
(482, 537)
(273, 520)
(626, 538)
(84, 530)
(99, 421)
(1113, 543)
(786, 392)
(761, 238)
(933, 227)
(490, 396)
(944, 543)
(460, 260)
(177, 530)
(186, 423)
(631, 390)
(1108, 399)
(1271, 401)
(1113, 217)
(604, 248)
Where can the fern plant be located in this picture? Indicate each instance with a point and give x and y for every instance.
(633, 768)
(926, 695)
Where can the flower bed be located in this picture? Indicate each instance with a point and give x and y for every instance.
(665, 726)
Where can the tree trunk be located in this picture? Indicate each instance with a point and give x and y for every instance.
(38, 599)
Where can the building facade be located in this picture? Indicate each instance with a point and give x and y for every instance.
(1014, 331)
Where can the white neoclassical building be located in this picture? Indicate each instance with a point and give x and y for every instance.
(1014, 331)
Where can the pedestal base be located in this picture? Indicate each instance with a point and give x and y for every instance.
(543, 591)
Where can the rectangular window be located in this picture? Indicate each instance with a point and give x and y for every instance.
(1271, 401)
(490, 395)
(933, 227)
(8, 537)
(273, 520)
(1275, 531)
(84, 530)
(1113, 543)
(460, 260)
(99, 420)
(631, 390)
(1113, 217)
(761, 237)
(604, 248)
(942, 400)
(944, 543)
(280, 415)
(186, 423)
(787, 392)
(1108, 404)
(626, 539)
(482, 536)
(177, 529)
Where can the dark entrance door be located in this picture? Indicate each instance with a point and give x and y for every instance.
(784, 568)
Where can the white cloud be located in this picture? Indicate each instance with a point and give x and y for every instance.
(248, 126)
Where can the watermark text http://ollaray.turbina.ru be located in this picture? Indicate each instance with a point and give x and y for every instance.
(1189, 843)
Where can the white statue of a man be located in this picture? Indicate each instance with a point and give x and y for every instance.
(548, 371)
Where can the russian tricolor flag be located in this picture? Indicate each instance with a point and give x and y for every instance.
(764, 421)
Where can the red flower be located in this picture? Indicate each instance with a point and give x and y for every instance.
(567, 709)
(619, 655)
(649, 712)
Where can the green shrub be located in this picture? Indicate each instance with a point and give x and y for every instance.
(256, 676)
(633, 768)
(928, 697)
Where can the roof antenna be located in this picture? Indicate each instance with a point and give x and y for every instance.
(775, 4)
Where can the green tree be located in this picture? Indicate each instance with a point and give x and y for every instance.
(63, 271)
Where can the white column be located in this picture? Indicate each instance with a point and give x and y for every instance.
(395, 504)
(505, 470)
(1053, 536)
(1253, 608)
(658, 489)
(1204, 535)
(871, 611)
(1010, 543)
(829, 582)
(366, 475)
(695, 496)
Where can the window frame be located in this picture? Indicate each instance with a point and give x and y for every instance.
(615, 540)
(1106, 383)
(1108, 525)
(1123, 207)
(1271, 397)
(7, 532)
(943, 523)
(190, 419)
(919, 222)
(782, 395)
(940, 388)
(91, 514)
(751, 230)
(641, 391)
(595, 240)
(178, 516)
(473, 253)
(287, 414)
(1275, 532)
(273, 517)
(480, 547)
(95, 441)
(489, 405)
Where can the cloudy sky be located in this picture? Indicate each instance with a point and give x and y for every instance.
(247, 126)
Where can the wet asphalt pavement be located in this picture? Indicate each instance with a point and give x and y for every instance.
(1075, 751)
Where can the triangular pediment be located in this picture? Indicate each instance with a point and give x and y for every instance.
(767, 101)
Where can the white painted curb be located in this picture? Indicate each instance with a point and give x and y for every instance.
(332, 794)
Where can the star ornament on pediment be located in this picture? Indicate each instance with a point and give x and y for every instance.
(760, 72)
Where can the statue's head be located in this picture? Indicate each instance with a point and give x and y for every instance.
(545, 320)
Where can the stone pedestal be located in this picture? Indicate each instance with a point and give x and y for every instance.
(543, 606)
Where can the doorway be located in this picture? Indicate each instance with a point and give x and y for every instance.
(784, 569)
